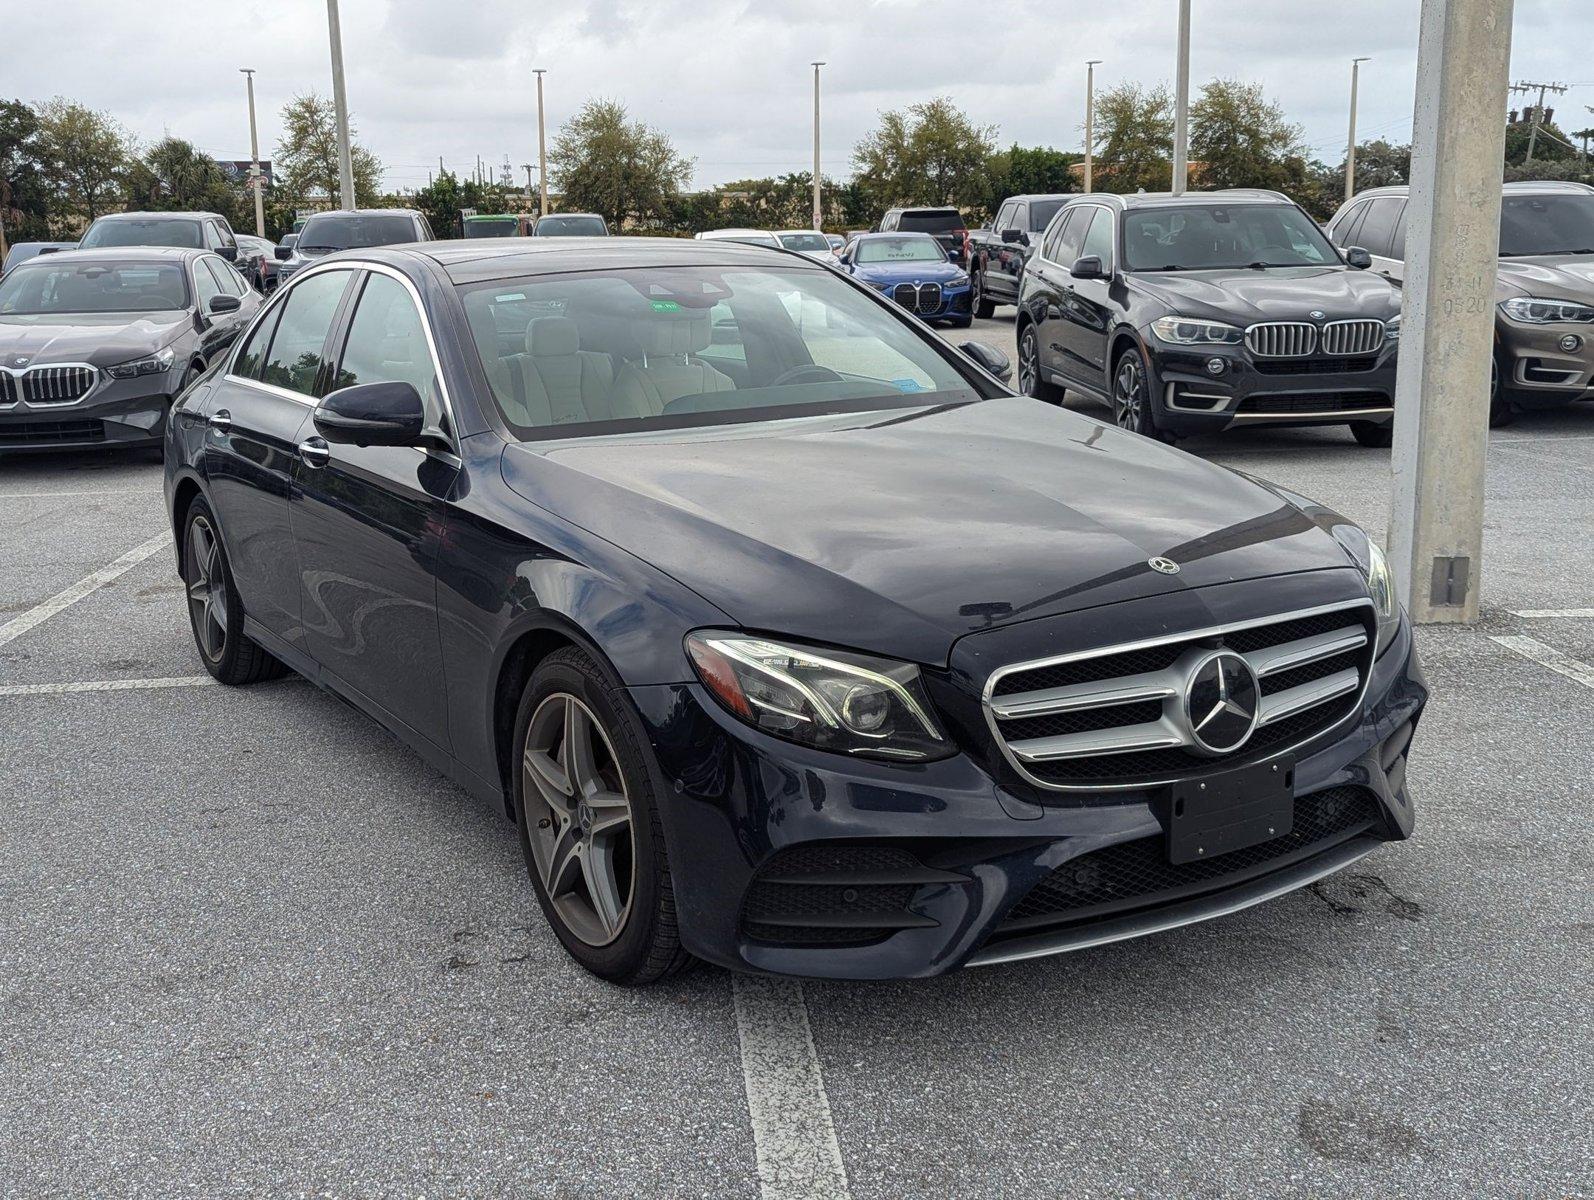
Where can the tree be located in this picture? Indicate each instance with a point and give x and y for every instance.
(443, 199)
(1242, 139)
(929, 154)
(1550, 143)
(175, 176)
(307, 154)
(24, 209)
(1027, 171)
(604, 162)
(1134, 139)
(84, 156)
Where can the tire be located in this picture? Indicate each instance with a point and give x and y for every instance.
(1369, 433)
(984, 306)
(1029, 369)
(1131, 396)
(961, 322)
(622, 930)
(215, 611)
(1501, 410)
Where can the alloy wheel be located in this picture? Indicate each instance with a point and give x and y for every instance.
(207, 589)
(578, 815)
(1028, 362)
(1127, 394)
(977, 285)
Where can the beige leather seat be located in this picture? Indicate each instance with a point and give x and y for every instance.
(556, 382)
(667, 371)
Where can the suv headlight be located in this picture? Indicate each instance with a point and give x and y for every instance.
(154, 364)
(1545, 312)
(830, 699)
(1187, 331)
(1392, 329)
(1370, 560)
(958, 280)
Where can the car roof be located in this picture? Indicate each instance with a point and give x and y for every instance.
(366, 212)
(710, 234)
(1516, 188)
(195, 215)
(1129, 200)
(545, 216)
(895, 235)
(126, 254)
(1043, 196)
(917, 208)
(499, 258)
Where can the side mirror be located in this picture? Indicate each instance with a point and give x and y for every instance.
(1011, 236)
(1088, 267)
(230, 253)
(372, 414)
(989, 357)
(225, 304)
(1356, 257)
(283, 253)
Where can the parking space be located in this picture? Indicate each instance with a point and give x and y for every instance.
(252, 945)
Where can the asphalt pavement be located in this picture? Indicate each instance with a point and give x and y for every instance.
(252, 946)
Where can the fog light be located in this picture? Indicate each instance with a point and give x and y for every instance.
(1571, 342)
(1216, 366)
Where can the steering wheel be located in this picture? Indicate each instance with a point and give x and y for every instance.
(807, 373)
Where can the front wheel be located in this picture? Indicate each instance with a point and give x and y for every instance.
(589, 823)
(1030, 381)
(1131, 395)
(960, 322)
(984, 306)
(1501, 410)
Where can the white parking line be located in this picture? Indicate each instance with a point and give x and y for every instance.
(103, 685)
(795, 1141)
(40, 613)
(64, 495)
(1549, 656)
(1552, 613)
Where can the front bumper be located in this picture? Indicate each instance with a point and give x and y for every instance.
(117, 414)
(1189, 399)
(953, 849)
(1538, 371)
(955, 303)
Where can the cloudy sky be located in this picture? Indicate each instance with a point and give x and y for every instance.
(727, 79)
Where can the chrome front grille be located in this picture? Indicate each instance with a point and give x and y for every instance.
(1282, 339)
(1352, 337)
(918, 297)
(9, 389)
(1115, 717)
(42, 387)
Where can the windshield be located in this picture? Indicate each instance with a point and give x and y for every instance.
(900, 249)
(808, 242)
(42, 286)
(1217, 237)
(1546, 225)
(618, 351)
(571, 227)
(1041, 213)
(941, 220)
(142, 233)
(345, 233)
(490, 226)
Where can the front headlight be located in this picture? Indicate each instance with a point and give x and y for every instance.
(1545, 312)
(958, 280)
(1187, 331)
(152, 365)
(1370, 560)
(830, 699)
(1392, 329)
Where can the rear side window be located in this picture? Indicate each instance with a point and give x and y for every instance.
(298, 346)
(1377, 232)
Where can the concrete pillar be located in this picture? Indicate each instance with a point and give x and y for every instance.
(1452, 247)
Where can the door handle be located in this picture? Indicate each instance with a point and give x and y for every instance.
(220, 421)
(314, 452)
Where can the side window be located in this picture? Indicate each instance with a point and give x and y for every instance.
(213, 236)
(387, 344)
(888, 222)
(1051, 248)
(1020, 217)
(299, 343)
(1377, 232)
(1004, 218)
(253, 352)
(206, 288)
(1098, 241)
(1073, 237)
(1344, 229)
(226, 278)
(1398, 248)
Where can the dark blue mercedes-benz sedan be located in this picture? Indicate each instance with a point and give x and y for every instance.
(785, 634)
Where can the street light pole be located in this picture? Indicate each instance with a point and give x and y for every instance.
(255, 182)
(1181, 105)
(1090, 121)
(542, 149)
(818, 205)
(340, 104)
(1350, 149)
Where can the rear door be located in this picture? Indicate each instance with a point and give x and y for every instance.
(255, 416)
(368, 523)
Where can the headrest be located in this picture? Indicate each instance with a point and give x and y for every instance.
(551, 337)
(684, 331)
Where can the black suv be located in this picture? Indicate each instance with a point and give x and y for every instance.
(182, 230)
(328, 232)
(1190, 314)
(945, 224)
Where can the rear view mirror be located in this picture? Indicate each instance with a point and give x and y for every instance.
(1356, 257)
(1088, 267)
(372, 414)
(989, 357)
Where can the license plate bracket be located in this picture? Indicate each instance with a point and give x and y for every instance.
(1231, 810)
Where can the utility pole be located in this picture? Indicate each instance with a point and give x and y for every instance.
(528, 169)
(340, 104)
(1538, 113)
(1090, 122)
(542, 148)
(255, 181)
(1350, 149)
(1181, 105)
(1452, 252)
(819, 213)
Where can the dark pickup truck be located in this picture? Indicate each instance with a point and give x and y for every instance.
(998, 251)
(946, 225)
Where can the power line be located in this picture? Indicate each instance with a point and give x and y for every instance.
(1538, 112)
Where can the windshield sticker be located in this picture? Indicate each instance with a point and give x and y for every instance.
(665, 306)
(907, 385)
(508, 296)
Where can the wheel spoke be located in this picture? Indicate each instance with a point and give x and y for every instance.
(564, 862)
(548, 777)
(610, 813)
(597, 866)
(580, 763)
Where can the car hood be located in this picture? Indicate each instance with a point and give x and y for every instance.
(1244, 297)
(908, 272)
(898, 532)
(1549, 276)
(99, 339)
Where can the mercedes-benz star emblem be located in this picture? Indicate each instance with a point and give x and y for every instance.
(1222, 702)
(1166, 565)
(1317, 314)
